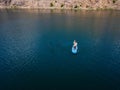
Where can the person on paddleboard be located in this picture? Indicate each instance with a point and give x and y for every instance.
(75, 44)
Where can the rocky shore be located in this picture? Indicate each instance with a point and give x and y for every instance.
(61, 4)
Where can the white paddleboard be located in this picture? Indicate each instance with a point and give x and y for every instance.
(74, 50)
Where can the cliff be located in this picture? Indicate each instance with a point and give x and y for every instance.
(61, 4)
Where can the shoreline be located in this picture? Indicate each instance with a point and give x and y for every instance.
(61, 4)
(55, 8)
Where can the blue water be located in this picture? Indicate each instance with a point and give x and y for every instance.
(35, 50)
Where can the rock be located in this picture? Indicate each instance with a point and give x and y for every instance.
(71, 4)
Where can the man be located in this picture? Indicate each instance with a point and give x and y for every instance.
(75, 47)
(75, 44)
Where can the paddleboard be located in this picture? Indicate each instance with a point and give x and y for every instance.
(74, 50)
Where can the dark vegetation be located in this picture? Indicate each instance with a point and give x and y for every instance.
(51, 5)
(114, 1)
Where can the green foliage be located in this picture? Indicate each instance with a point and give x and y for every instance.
(13, 7)
(51, 4)
(75, 6)
(87, 6)
(114, 1)
(62, 5)
(55, 1)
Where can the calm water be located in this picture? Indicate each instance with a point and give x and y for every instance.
(35, 50)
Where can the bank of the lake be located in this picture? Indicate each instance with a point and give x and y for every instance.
(61, 4)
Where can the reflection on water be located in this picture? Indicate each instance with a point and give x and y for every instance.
(35, 49)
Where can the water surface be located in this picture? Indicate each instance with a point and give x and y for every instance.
(35, 50)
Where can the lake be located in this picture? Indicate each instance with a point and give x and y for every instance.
(35, 50)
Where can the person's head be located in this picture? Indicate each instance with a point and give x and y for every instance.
(74, 40)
